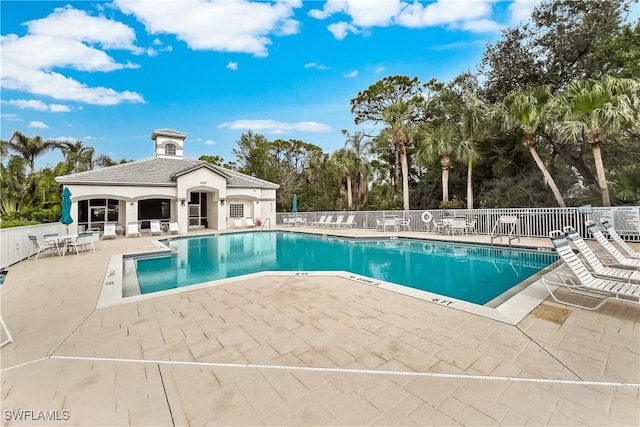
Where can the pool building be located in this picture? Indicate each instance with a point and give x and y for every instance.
(169, 188)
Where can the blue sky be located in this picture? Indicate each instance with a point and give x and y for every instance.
(108, 73)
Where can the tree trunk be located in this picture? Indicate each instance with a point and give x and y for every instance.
(445, 185)
(547, 177)
(405, 179)
(349, 194)
(602, 178)
(573, 160)
(470, 184)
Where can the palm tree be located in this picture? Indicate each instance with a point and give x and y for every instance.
(346, 163)
(440, 142)
(13, 184)
(472, 123)
(400, 129)
(360, 146)
(29, 147)
(78, 157)
(590, 110)
(527, 111)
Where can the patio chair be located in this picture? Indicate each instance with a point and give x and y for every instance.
(250, 222)
(53, 238)
(96, 235)
(38, 247)
(619, 240)
(327, 221)
(319, 222)
(109, 231)
(581, 281)
(471, 226)
(594, 263)
(440, 226)
(405, 224)
(84, 240)
(237, 223)
(612, 250)
(379, 224)
(155, 227)
(336, 224)
(133, 229)
(173, 228)
(350, 223)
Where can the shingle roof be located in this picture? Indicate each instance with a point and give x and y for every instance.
(159, 171)
(168, 132)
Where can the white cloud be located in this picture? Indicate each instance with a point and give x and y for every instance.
(352, 74)
(316, 65)
(206, 141)
(38, 125)
(227, 26)
(378, 69)
(521, 10)
(457, 45)
(37, 105)
(67, 38)
(157, 42)
(341, 29)
(274, 127)
(472, 15)
(232, 66)
(11, 117)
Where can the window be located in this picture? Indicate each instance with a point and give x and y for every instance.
(236, 210)
(170, 150)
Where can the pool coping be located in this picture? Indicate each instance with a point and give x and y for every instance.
(511, 310)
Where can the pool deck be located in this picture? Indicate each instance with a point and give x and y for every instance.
(316, 350)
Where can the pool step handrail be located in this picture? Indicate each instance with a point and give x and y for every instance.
(265, 223)
(512, 222)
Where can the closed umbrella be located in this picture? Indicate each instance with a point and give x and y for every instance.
(294, 207)
(66, 208)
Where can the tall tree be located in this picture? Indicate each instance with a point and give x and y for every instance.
(79, 157)
(440, 142)
(525, 111)
(29, 147)
(398, 103)
(346, 163)
(589, 110)
(361, 146)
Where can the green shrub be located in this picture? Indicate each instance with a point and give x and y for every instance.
(30, 215)
(452, 204)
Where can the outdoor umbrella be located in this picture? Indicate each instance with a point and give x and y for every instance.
(294, 207)
(66, 208)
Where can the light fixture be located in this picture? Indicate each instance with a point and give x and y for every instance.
(131, 203)
(221, 202)
(182, 202)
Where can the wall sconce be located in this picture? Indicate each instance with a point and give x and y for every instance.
(131, 203)
(221, 202)
(182, 203)
(258, 202)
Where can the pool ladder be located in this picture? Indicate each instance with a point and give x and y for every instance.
(265, 223)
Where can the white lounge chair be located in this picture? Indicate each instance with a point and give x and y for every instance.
(613, 251)
(337, 223)
(458, 224)
(84, 240)
(320, 221)
(594, 262)
(155, 227)
(38, 247)
(250, 222)
(350, 222)
(109, 231)
(133, 229)
(173, 228)
(237, 223)
(327, 221)
(583, 282)
(619, 240)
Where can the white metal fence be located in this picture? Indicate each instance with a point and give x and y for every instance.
(15, 245)
(534, 222)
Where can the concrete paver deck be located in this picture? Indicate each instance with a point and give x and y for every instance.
(302, 351)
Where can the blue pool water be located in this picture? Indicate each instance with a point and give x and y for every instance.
(471, 273)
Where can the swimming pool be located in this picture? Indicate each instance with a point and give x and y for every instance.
(476, 274)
